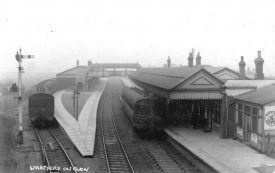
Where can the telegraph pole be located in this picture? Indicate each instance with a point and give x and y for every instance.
(19, 58)
(76, 91)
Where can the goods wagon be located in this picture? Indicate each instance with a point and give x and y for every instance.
(41, 107)
(41, 101)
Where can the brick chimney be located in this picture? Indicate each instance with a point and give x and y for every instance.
(168, 62)
(198, 59)
(190, 59)
(259, 61)
(89, 62)
(77, 62)
(242, 68)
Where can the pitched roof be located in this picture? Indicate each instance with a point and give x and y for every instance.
(238, 87)
(165, 78)
(177, 72)
(248, 83)
(260, 96)
(72, 71)
(214, 70)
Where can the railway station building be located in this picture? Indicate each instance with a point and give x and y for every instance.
(201, 96)
(255, 118)
(192, 96)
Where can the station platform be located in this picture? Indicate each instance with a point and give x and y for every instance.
(222, 155)
(81, 132)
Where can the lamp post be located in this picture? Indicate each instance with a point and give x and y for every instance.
(75, 101)
(19, 58)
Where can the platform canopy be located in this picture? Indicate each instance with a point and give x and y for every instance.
(179, 83)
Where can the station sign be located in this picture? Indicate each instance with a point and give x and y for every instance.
(269, 118)
(239, 131)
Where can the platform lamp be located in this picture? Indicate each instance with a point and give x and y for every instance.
(19, 57)
(75, 101)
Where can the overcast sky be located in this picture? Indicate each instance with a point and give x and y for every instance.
(58, 32)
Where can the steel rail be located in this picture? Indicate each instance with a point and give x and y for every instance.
(104, 144)
(108, 152)
(121, 144)
(44, 152)
(45, 157)
(63, 149)
(120, 141)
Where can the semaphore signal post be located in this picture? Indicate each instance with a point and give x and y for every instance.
(19, 57)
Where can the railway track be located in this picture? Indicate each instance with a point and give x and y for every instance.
(164, 157)
(54, 154)
(115, 154)
(157, 155)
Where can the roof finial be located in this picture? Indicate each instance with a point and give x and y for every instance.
(193, 52)
(169, 62)
(259, 54)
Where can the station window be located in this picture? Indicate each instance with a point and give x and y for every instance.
(251, 113)
(254, 128)
(240, 106)
(247, 110)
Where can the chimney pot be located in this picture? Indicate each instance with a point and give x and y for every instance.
(242, 68)
(198, 59)
(259, 54)
(169, 62)
(259, 61)
(190, 59)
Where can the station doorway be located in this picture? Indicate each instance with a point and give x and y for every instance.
(197, 114)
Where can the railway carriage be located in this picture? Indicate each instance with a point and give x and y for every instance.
(41, 107)
(141, 111)
(41, 101)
